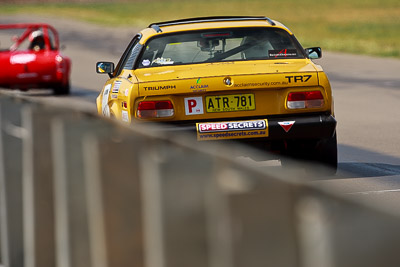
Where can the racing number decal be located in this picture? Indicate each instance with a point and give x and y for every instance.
(193, 105)
(104, 103)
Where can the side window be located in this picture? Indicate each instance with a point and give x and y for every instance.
(52, 39)
(129, 56)
(132, 57)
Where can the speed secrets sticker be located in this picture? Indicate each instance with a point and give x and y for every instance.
(232, 130)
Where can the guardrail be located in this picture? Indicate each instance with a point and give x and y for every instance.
(79, 190)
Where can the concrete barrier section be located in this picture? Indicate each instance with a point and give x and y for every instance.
(11, 222)
(83, 191)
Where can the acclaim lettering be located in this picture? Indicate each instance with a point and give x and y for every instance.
(198, 86)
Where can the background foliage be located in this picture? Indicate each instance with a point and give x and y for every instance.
(356, 26)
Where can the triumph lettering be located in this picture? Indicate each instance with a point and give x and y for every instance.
(153, 88)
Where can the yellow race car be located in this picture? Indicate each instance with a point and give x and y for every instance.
(242, 78)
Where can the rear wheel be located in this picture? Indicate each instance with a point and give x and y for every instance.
(62, 89)
(322, 153)
(325, 153)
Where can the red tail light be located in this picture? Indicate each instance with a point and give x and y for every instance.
(60, 67)
(308, 99)
(155, 109)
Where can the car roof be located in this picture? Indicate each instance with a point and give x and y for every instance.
(203, 23)
(210, 19)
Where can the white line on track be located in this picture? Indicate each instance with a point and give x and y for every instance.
(375, 192)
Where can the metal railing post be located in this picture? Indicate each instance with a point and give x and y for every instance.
(11, 226)
(114, 200)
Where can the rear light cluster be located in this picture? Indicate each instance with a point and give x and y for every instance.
(309, 99)
(60, 67)
(155, 109)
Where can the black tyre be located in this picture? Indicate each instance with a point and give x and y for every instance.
(62, 89)
(326, 154)
(317, 158)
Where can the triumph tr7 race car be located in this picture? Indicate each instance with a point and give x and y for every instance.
(30, 58)
(243, 78)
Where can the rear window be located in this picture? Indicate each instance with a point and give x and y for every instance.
(219, 45)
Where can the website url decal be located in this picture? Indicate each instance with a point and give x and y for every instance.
(232, 130)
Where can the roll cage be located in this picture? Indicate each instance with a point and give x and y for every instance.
(29, 28)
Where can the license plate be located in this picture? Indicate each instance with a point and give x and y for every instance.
(224, 103)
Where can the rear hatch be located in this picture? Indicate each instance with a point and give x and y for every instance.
(227, 89)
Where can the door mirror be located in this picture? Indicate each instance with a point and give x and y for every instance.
(314, 52)
(105, 67)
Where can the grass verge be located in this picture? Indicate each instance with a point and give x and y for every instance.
(356, 26)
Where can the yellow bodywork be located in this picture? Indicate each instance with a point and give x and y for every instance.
(269, 80)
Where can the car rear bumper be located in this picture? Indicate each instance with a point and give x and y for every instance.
(314, 126)
(307, 127)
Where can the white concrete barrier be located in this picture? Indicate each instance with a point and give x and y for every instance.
(80, 190)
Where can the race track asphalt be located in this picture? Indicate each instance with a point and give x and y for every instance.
(366, 92)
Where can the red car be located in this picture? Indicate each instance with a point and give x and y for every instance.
(30, 58)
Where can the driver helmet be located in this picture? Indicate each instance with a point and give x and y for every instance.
(37, 41)
(35, 34)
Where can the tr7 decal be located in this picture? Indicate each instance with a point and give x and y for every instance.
(299, 78)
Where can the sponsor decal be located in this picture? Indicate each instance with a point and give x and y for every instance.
(163, 61)
(284, 53)
(27, 75)
(194, 105)
(104, 103)
(46, 77)
(216, 34)
(199, 87)
(146, 62)
(262, 84)
(232, 130)
(114, 96)
(125, 116)
(126, 92)
(116, 86)
(161, 87)
(232, 126)
(286, 125)
(22, 58)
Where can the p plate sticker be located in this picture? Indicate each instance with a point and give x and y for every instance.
(284, 53)
(104, 104)
(286, 125)
(194, 105)
(115, 89)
